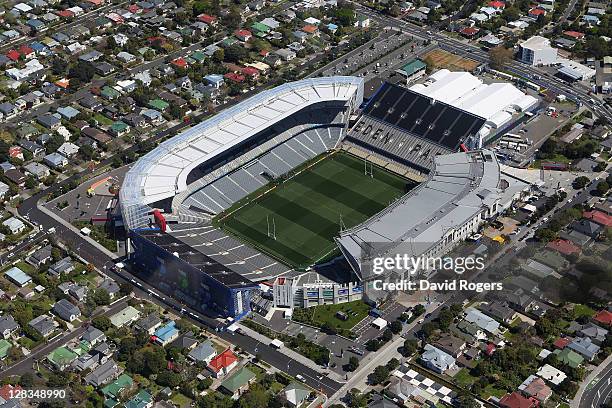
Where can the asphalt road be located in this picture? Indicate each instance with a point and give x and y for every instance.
(601, 392)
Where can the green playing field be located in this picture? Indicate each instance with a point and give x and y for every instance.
(307, 210)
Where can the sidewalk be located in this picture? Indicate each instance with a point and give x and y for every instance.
(290, 353)
(575, 403)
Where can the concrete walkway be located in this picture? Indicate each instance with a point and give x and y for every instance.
(575, 403)
(289, 353)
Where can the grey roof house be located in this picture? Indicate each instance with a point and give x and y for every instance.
(43, 324)
(66, 310)
(436, 359)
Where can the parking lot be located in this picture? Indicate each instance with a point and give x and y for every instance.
(89, 200)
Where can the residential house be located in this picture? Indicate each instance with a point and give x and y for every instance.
(203, 352)
(499, 310)
(55, 160)
(66, 310)
(15, 225)
(8, 326)
(516, 400)
(103, 374)
(436, 359)
(148, 323)
(17, 276)
(43, 324)
(61, 358)
(295, 394)
(49, 121)
(38, 170)
(551, 374)
(585, 347)
(16, 177)
(222, 364)
(535, 387)
(111, 287)
(451, 345)
(166, 333)
(237, 383)
(569, 357)
(126, 316)
(93, 335)
(62, 266)
(481, 320)
(594, 332)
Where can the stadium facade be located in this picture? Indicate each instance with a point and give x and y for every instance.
(170, 195)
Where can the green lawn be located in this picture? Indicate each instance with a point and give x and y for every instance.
(307, 210)
(492, 391)
(319, 315)
(463, 379)
(103, 120)
(583, 310)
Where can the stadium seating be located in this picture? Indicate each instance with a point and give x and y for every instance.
(224, 186)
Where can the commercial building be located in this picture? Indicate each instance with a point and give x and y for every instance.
(537, 51)
(312, 289)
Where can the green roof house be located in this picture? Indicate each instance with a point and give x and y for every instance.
(237, 383)
(569, 357)
(114, 389)
(109, 93)
(5, 346)
(158, 104)
(412, 70)
(229, 41)
(141, 400)
(119, 128)
(198, 56)
(260, 28)
(62, 357)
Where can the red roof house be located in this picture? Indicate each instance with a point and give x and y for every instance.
(15, 152)
(490, 349)
(223, 363)
(310, 29)
(497, 4)
(563, 246)
(574, 34)
(13, 55)
(264, 53)
(243, 35)
(180, 62)
(538, 390)
(133, 8)
(65, 13)
(536, 12)
(205, 18)
(562, 342)
(250, 72)
(598, 217)
(26, 51)
(516, 400)
(469, 31)
(604, 317)
(232, 76)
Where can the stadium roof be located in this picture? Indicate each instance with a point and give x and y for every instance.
(216, 270)
(460, 187)
(162, 173)
(495, 102)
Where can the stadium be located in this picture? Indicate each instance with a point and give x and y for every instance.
(276, 188)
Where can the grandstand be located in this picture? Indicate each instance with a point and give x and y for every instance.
(169, 197)
(461, 193)
(412, 129)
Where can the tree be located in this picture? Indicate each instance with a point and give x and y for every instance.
(83, 71)
(418, 310)
(465, 400)
(545, 234)
(101, 323)
(256, 397)
(379, 376)
(580, 182)
(235, 53)
(499, 57)
(445, 318)
(168, 378)
(26, 380)
(219, 55)
(101, 297)
(352, 364)
(396, 326)
(31, 182)
(409, 348)
(602, 188)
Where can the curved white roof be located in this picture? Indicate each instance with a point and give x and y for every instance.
(162, 173)
(463, 90)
